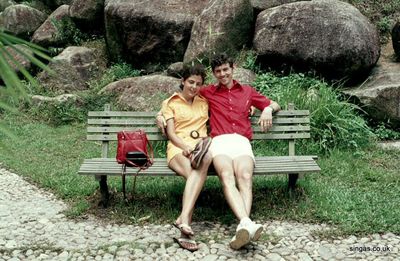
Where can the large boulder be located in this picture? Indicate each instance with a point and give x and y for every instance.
(54, 4)
(18, 60)
(144, 93)
(396, 39)
(331, 37)
(40, 100)
(261, 5)
(149, 32)
(223, 26)
(73, 68)
(244, 76)
(5, 3)
(88, 14)
(21, 20)
(379, 96)
(54, 31)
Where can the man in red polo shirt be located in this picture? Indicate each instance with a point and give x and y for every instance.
(229, 104)
(233, 158)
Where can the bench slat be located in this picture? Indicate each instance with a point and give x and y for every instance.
(159, 137)
(273, 164)
(151, 130)
(259, 159)
(152, 114)
(161, 172)
(151, 121)
(264, 165)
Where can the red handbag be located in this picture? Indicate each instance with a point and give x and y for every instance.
(132, 151)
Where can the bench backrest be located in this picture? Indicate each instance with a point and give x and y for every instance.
(103, 125)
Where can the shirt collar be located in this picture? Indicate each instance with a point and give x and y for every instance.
(218, 86)
(179, 95)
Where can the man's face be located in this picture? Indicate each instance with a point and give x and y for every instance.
(224, 74)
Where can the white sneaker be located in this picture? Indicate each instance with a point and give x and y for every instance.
(255, 230)
(241, 238)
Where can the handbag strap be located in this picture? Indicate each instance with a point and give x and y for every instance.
(151, 158)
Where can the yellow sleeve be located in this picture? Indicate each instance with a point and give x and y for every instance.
(167, 110)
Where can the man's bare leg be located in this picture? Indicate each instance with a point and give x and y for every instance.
(243, 167)
(225, 169)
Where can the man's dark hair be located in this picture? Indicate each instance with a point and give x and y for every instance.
(189, 70)
(221, 59)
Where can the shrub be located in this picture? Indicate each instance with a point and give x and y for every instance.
(334, 122)
(385, 133)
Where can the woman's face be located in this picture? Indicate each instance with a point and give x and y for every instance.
(191, 85)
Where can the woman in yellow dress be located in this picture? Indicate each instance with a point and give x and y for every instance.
(186, 115)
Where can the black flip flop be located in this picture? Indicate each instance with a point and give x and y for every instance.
(183, 243)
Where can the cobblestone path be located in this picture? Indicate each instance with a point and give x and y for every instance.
(32, 227)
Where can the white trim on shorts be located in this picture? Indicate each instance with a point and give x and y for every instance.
(231, 145)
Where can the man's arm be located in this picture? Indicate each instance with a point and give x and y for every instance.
(161, 123)
(265, 120)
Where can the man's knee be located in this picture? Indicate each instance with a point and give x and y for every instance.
(245, 176)
(227, 178)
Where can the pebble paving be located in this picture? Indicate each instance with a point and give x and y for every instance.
(33, 227)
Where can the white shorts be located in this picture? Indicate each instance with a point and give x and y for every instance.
(231, 145)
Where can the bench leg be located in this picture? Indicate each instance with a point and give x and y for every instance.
(105, 195)
(292, 181)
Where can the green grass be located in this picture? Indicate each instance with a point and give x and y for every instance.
(358, 191)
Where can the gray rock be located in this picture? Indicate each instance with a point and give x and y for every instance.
(274, 257)
(21, 20)
(304, 257)
(244, 76)
(55, 30)
(144, 93)
(53, 4)
(261, 5)
(144, 32)
(210, 258)
(325, 253)
(73, 68)
(21, 60)
(89, 14)
(396, 39)
(5, 3)
(379, 95)
(175, 70)
(331, 37)
(215, 31)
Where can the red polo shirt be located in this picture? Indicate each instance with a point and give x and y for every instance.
(229, 108)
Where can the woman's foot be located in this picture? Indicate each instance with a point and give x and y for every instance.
(184, 228)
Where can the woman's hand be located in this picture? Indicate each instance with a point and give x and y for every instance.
(186, 151)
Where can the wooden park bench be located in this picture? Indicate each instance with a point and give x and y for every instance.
(103, 126)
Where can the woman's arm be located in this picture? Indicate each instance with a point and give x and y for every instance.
(175, 139)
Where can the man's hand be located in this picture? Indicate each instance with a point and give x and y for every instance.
(252, 110)
(161, 124)
(265, 120)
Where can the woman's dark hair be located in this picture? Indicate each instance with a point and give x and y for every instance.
(221, 59)
(189, 70)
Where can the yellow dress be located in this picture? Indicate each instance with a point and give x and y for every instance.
(187, 117)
